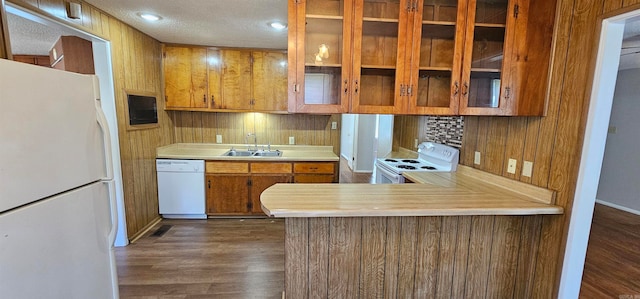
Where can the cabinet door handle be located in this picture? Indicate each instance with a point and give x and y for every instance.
(456, 88)
(465, 89)
(204, 98)
(402, 90)
(346, 86)
(213, 101)
(208, 184)
(415, 5)
(410, 90)
(408, 6)
(355, 89)
(507, 92)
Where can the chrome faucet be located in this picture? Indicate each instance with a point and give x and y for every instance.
(255, 141)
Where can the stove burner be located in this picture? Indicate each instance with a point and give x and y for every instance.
(411, 161)
(428, 167)
(390, 160)
(406, 167)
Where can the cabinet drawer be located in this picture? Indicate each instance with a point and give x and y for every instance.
(313, 168)
(270, 167)
(227, 167)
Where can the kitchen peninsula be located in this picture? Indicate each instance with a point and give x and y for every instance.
(450, 235)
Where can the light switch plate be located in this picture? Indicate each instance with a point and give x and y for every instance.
(527, 168)
(218, 138)
(476, 158)
(334, 125)
(511, 168)
(292, 140)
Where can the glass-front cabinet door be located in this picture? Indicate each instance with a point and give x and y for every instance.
(435, 79)
(482, 72)
(319, 55)
(379, 54)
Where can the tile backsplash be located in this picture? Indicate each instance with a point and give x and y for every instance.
(445, 129)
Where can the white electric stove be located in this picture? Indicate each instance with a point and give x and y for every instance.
(432, 157)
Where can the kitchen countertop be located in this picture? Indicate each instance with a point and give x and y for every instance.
(214, 151)
(465, 192)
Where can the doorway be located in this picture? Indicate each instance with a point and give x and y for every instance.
(604, 82)
(30, 29)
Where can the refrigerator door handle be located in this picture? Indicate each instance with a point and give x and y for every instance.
(104, 126)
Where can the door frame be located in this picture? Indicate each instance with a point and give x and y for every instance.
(595, 137)
(104, 71)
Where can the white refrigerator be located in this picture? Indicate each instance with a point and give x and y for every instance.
(57, 204)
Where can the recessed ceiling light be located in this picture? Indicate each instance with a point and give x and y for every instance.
(149, 17)
(278, 25)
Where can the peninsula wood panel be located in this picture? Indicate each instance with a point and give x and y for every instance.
(136, 60)
(202, 127)
(553, 143)
(410, 257)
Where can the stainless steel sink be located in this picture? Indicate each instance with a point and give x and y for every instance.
(247, 153)
(275, 153)
(234, 153)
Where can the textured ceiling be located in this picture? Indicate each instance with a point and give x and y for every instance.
(29, 37)
(230, 23)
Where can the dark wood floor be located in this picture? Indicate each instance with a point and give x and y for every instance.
(215, 258)
(348, 176)
(612, 266)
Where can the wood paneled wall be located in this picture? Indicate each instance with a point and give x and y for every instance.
(411, 257)
(553, 143)
(202, 127)
(136, 60)
(406, 128)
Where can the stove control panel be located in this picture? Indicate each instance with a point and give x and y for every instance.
(431, 150)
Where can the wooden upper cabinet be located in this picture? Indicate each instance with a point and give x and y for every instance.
(359, 55)
(212, 79)
(319, 55)
(438, 57)
(214, 69)
(72, 54)
(269, 79)
(236, 79)
(433, 82)
(185, 77)
(507, 57)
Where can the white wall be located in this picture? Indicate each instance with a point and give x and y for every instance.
(385, 135)
(347, 137)
(619, 183)
(366, 145)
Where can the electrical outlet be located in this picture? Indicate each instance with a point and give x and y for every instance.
(415, 143)
(527, 168)
(218, 138)
(334, 125)
(612, 129)
(511, 168)
(292, 140)
(476, 158)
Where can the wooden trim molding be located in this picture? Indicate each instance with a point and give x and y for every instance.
(5, 44)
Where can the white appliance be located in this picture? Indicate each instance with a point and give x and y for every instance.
(432, 157)
(57, 205)
(181, 191)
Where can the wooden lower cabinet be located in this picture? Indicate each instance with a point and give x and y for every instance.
(315, 172)
(258, 184)
(234, 188)
(227, 194)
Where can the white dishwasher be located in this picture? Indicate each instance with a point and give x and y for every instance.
(181, 191)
